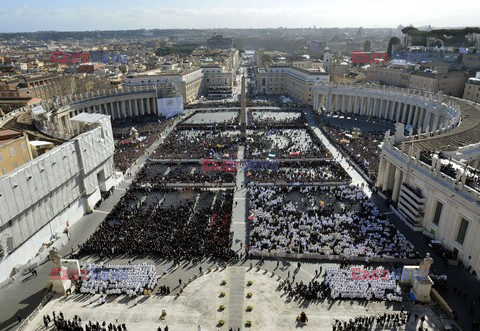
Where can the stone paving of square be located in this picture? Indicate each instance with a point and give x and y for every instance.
(199, 304)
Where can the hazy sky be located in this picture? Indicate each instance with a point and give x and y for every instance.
(38, 15)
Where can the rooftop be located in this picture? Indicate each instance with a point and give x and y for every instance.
(7, 135)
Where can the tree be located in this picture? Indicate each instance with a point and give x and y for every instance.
(393, 42)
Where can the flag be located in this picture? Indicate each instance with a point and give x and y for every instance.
(251, 217)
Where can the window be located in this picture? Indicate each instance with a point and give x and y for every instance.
(1, 157)
(26, 159)
(438, 213)
(4, 171)
(12, 151)
(15, 165)
(23, 146)
(462, 231)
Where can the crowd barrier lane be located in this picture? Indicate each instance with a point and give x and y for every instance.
(339, 258)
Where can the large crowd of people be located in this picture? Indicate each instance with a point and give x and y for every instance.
(385, 321)
(198, 144)
(130, 279)
(218, 118)
(341, 222)
(343, 284)
(276, 118)
(60, 323)
(285, 143)
(305, 171)
(183, 231)
(127, 148)
(348, 284)
(361, 147)
(182, 173)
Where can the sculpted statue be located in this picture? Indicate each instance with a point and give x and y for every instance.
(424, 269)
(55, 258)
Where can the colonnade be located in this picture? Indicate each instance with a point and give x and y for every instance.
(397, 111)
(424, 113)
(134, 106)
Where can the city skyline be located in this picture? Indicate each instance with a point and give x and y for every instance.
(33, 16)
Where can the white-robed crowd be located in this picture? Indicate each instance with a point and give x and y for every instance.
(348, 226)
(130, 279)
(345, 285)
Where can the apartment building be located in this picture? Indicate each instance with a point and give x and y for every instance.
(219, 82)
(14, 150)
(18, 91)
(389, 76)
(451, 83)
(188, 83)
(288, 80)
(472, 90)
(471, 60)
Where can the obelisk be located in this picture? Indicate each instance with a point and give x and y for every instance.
(243, 111)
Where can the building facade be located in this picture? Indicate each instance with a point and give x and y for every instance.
(472, 90)
(292, 81)
(451, 83)
(53, 191)
(14, 150)
(389, 76)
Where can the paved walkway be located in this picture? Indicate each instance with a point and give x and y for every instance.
(357, 179)
(239, 223)
(237, 297)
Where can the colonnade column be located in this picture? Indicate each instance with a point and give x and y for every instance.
(415, 117)
(410, 115)
(392, 110)
(386, 176)
(149, 106)
(396, 184)
(386, 110)
(112, 111)
(135, 107)
(142, 107)
(435, 122)
(426, 121)
(397, 112)
(381, 171)
(404, 114)
(343, 103)
(124, 109)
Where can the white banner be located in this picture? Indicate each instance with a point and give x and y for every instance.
(169, 107)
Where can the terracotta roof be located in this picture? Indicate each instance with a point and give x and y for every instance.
(7, 134)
